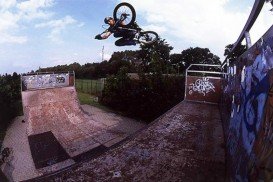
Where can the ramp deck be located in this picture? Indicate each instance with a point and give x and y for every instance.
(184, 144)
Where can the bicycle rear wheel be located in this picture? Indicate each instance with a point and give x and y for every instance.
(148, 37)
(125, 8)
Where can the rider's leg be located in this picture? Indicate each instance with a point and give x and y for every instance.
(130, 34)
(118, 34)
(125, 33)
(124, 42)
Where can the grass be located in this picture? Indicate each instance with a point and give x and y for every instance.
(89, 86)
(91, 100)
(87, 92)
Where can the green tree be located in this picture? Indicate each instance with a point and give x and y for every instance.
(177, 63)
(10, 98)
(199, 55)
(236, 53)
(155, 57)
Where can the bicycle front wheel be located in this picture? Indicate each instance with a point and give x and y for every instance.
(125, 8)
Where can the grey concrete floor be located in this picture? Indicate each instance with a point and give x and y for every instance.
(21, 166)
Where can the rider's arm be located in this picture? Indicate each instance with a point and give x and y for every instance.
(123, 23)
(103, 35)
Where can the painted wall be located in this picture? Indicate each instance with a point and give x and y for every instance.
(42, 81)
(203, 89)
(247, 110)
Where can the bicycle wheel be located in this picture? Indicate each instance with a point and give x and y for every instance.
(148, 37)
(125, 8)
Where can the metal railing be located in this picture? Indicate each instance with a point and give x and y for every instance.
(188, 70)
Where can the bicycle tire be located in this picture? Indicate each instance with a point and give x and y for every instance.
(148, 41)
(132, 9)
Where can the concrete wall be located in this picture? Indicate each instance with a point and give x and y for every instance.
(42, 81)
(247, 110)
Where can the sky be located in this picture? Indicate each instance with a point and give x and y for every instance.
(43, 33)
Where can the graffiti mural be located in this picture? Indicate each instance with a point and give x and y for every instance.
(43, 81)
(202, 86)
(203, 89)
(248, 127)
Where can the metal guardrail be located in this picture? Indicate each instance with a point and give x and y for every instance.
(188, 70)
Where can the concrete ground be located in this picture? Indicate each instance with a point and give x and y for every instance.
(185, 144)
(21, 166)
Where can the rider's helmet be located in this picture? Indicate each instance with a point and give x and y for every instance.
(106, 19)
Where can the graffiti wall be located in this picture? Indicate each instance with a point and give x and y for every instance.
(203, 89)
(42, 81)
(247, 110)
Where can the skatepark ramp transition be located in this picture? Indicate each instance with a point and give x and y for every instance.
(66, 144)
(187, 142)
(59, 132)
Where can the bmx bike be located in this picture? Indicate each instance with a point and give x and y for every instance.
(125, 13)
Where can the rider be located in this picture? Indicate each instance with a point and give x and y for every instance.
(119, 30)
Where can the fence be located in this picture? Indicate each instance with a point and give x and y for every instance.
(92, 87)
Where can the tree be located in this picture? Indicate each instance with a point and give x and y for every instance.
(10, 98)
(155, 57)
(122, 59)
(236, 53)
(177, 63)
(199, 55)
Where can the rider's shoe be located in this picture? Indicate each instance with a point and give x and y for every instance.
(131, 41)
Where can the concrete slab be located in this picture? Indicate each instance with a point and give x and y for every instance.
(180, 146)
(21, 167)
(59, 112)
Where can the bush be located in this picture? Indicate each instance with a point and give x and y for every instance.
(146, 98)
(10, 99)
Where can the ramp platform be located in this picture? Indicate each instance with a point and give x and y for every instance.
(185, 144)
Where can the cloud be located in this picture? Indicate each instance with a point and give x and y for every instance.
(156, 28)
(34, 9)
(14, 14)
(6, 38)
(81, 24)
(34, 5)
(6, 4)
(193, 22)
(57, 27)
(262, 24)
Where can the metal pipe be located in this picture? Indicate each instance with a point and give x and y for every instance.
(211, 72)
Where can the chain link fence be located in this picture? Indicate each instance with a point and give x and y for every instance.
(92, 87)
